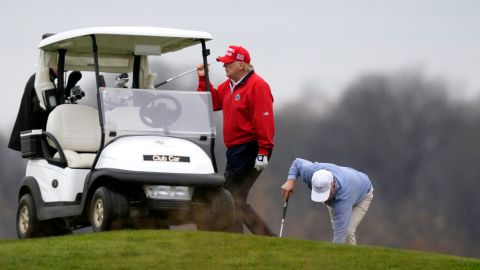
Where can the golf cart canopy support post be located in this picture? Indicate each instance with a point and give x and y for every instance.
(61, 70)
(136, 72)
(205, 54)
(99, 103)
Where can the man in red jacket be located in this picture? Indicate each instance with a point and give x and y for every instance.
(248, 124)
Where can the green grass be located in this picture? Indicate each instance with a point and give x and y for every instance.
(204, 250)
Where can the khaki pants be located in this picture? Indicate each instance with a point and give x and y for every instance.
(358, 212)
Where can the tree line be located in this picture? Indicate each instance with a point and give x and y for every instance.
(417, 144)
(419, 147)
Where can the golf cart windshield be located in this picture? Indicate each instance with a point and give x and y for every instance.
(157, 112)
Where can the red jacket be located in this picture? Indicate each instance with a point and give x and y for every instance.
(247, 112)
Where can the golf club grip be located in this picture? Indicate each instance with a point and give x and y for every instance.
(160, 84)
(285, 208)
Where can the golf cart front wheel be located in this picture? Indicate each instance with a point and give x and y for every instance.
(27, 223)
(218, 212)
(108, 210)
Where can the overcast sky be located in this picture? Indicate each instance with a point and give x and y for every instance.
(293, 44)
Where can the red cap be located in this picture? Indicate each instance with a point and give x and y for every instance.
(235, 53)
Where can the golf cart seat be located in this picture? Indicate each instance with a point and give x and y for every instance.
(77, 130)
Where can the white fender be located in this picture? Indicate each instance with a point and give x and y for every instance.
(69, 182)
(155, 154)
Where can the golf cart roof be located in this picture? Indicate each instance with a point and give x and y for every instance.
(117, 49)
(124, 40)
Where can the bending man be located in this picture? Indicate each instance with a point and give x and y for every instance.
(346, 192)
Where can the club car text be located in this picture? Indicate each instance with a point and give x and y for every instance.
(166, 158)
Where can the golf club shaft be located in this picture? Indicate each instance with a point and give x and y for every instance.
(281, 227)
(285, 204)
(180, 75)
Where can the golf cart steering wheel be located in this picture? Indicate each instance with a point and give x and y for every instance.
(160, 111)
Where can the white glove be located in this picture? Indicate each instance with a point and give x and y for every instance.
(261, 162)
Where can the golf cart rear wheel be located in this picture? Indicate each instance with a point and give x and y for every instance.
(27, 223)
(218, 213)
(109, 210)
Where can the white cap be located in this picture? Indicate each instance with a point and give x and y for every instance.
(321, 184)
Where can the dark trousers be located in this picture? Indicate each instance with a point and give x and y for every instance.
(240, 175)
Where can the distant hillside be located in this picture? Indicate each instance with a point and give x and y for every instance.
(205, 250)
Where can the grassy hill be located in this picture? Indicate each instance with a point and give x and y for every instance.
(205, 250)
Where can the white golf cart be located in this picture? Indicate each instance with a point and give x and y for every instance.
(140, 157)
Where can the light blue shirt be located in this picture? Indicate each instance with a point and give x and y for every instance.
(352, 187)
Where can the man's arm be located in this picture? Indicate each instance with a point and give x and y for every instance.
(263, 118)
(202, 86)
(295, 170)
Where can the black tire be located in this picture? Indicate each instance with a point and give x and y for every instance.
(28, 225)
(218, 212)
(109, 210)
